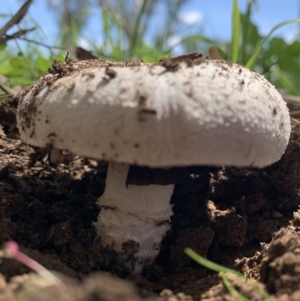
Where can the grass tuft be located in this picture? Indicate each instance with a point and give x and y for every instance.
(223, 273)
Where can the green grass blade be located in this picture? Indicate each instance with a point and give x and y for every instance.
(134, 38)
(245, 27)
(235, 28)
(232, 290)
(74, 31)
(223, 270)
(192, 38)
(106, 27)
(261, 43)
(209, 264)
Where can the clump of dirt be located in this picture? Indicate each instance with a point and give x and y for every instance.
(228, 215)
(280, 265)
(98, 286)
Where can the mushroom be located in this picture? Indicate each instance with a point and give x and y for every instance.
(175, 113)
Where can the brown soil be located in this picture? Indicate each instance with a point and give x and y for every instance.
(228, 215)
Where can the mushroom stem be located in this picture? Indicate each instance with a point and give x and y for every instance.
(133, 219)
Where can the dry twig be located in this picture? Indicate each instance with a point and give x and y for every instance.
(16, 18)
(15, 35)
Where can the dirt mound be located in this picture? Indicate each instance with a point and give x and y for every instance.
(228, 215)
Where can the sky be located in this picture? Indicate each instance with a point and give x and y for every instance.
(217, 14)
(212, 16)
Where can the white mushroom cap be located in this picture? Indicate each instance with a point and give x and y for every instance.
(209, 113)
